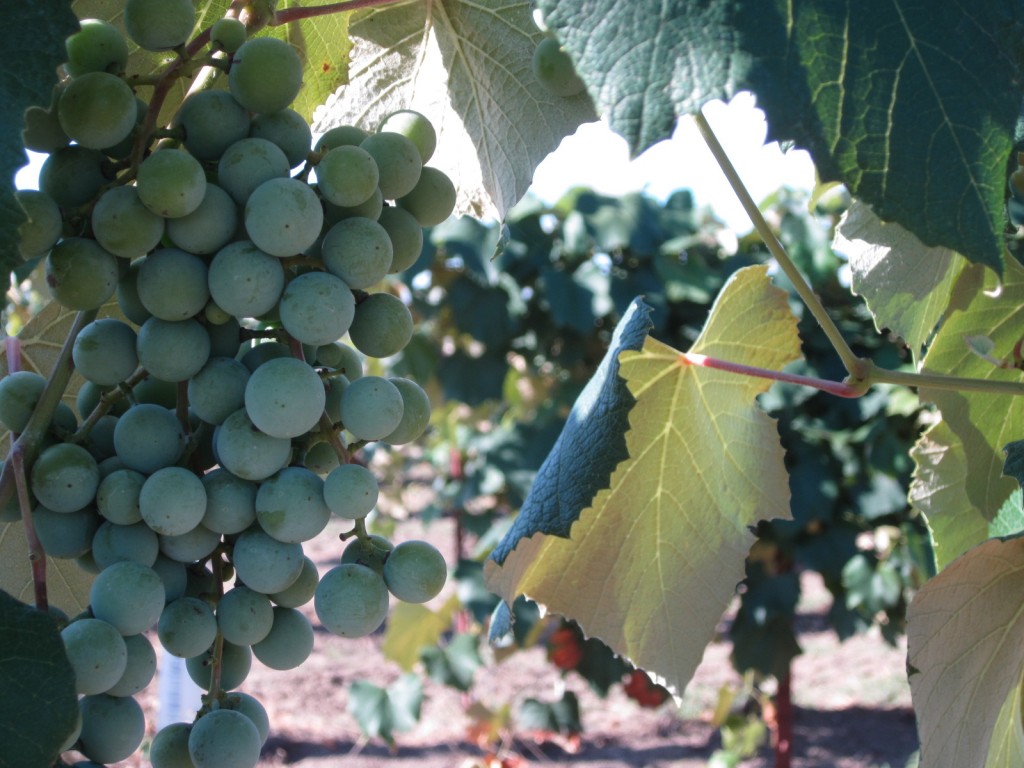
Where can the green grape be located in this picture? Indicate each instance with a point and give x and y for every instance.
(371, 551)
(172, 284)
(171, 183)
(351, 491)
(97, 653)
(351, 600)
(244, 616)
(432, 200)
(225, 339)
(289, 642)
(43, 223)
(123, 149)
(65, 534)
(265, 564)
(97, 110)
(236, 663)
(284, 397)
(415, 412)
(347, 175)
(290, 505)
(406, 235)
(398, 161)
(73, 175)
(156, 392)
(340, 136)
(112, 727)
(283, 216)
(415, 572)
(209, 227)
(104, 351)
(317, 308)
(139, 670)
(554, 69)
(332, 407)
(173, 351)
(100, 440)
(320, 458)
(265, 74)
(415, 127)
(174, 576)
(342, 358)
(248, 163)
(230, 502)
(191, 546)
(224, 738)
(368, 209)
(80, 273)
(247, 452)
(159, 25)
(358, 250)
(169, 748)
(148, 437)
(218, 390)
(88, 398)
(301, 591)
(129, 595)
(128, 295)
(371, 407)
(245, 281)
(288, 130)
(263, 351)
(382, 325)
(123, 225)
(228, 34)
(115, 543)
(97, 46)
(251, 708)
(187, 627)
(212, 121)
(172, 502)
(214, 315)
(19, 393)
(64, 477)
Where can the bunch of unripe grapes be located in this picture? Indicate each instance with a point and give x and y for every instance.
(222, 410)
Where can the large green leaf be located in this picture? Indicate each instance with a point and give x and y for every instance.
(1007, 747)
(39, 707)
(965, 638)
(33, 49)
(911, 104)
(653, 561)
(465, 64)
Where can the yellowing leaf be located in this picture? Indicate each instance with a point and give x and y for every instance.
(411, 627)
(965, 637)
(1007, 747)
(651, 565)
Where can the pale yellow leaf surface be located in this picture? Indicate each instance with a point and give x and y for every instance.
(965, 637)
(1007, 747)
(413, 626)
(652, 564)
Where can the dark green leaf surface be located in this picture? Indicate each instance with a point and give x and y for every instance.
(38, 707)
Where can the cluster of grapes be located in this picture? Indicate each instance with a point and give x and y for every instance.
(220, 418)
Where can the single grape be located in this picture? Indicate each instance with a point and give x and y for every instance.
(398, 161)
(347, 175)
(159, 25)
(289, 642)
(247, 452)
(80, 273)
(406, 237)
(172, 284)
(415, 571)
(382, 325)
(74, 175)
(244, 616)
(43, 223)
(212, 121)
(187, 627)
(148, 437)
(209, 227)
(65, 477)
(65, 534)
(284, 397)
(262, 351)
(173, 351)
(100, 440)
(554, 69)
(351, 600)
(283, 216)
(174, 576)
(288, 130)
(228, 34)
(115, 543)
(351, 491)
(97, 653)
(128, 595)
(290, 505)
(97, 46)
(191, 546)
(169, 748)
(432, 200)
(265, 74)
(265, 564)
(224, 738)
(236, 663)
(248, 163)
(340, 136)
(320, 458)
(123, 225)
(97, 110)
(225, 339)
(156, 392)
(368, 209)
(317, 308)
(335, 391)
(342, 358)
(301, 591)
(128, 295)
(139, 670)
(230, 502)
(415, 412)
(104, 351)
(218, 390)
(245, 281)
(172, 502)
(371, 407)
(112, 727)
(123, 149)
(251, 708)
(415, 127)
(358, 250)
(19, 393)
(371, 551)
(171, 183)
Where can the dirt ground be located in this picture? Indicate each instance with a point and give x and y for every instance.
(852, 707)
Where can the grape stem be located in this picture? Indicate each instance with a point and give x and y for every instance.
(839, 388)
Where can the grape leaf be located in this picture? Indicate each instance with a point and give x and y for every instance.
(906, 284)
(965, 635)
(881, 93)
(324, 45)
(654, 560)
(466, 65)
(412, 626)
(33, 50)
(983, 422)
(39, 706)
(382, 711)
(1007, 747)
